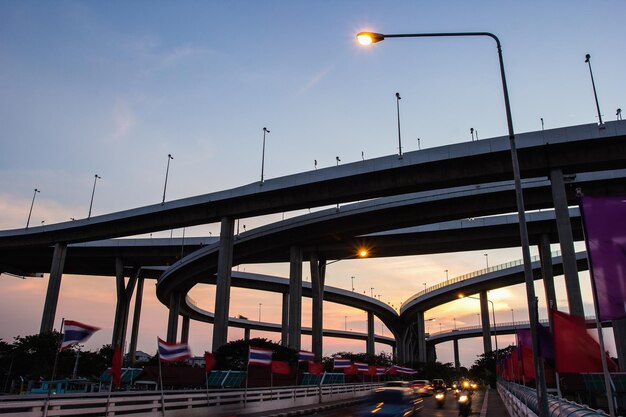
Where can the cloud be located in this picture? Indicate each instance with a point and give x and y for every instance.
(123, 120)
(315, 79)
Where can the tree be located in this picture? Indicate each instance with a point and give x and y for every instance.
(484, 368)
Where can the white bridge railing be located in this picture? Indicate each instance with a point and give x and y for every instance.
(190, 403)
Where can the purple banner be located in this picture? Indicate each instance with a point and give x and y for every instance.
(605, 232)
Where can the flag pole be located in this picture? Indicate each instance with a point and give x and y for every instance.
(160, 379)
(54, 370)
(245, 393)
(605, 369)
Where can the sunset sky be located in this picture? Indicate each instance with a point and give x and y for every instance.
(111, 88)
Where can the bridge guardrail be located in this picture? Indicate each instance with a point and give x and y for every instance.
(475, 274)
(184, 403)
(522, 401)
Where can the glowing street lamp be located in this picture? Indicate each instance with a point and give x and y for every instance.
(366, 38)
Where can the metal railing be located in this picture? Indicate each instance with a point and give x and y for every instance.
(521, 324)
(522, 401)
(177, 403)
(474, 274)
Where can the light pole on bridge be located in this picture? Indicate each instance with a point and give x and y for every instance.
(366, 38)
(96, 177)
(32, 203)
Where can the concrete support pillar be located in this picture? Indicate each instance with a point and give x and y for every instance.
(619, 332)
(246, 333)
(484, 318)
(370, 347)
(318, 275)
(457, 362)
(184, 331)
(295, 297)
(172, 321)
(54, 286)
(124, 294)
(431, 353)
(132, 349)
(421, 338)
(222, 290)
(284, 330)
(564, 228)
(548, 275)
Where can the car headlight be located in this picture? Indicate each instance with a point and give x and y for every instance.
(439, 396)
(463, 398)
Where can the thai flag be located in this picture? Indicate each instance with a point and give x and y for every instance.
(380, 370)
(172, 352)
(76, 332)
(361, 367)
(403, 370)
(305, 356)
(340, 363)
(259, 356)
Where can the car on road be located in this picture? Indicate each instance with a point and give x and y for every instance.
(391, 402)
(422, 387)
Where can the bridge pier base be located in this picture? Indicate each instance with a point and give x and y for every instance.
(222, 290)
(172, 321)
(421, 338)
(457, 362)
(548, 276)
(566, 240)
(370, 345)
(318, 277)
(484, 319)
(295, 297)
(122, 307)
(132, 349)
(184, 330)
(54, 286)
(284, 326)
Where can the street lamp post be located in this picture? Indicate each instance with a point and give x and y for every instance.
(345, 323)
(487, 260)
(398, 108)
(265, 130)
(513, 317)
(446, 275)
(167, 171)
(366, 38)
(493, 315)
(593, 84)
(352, 278)
(260, 304)
(372, 291)
(96, 177)
(32, 203)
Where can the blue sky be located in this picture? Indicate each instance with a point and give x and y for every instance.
(113, 87)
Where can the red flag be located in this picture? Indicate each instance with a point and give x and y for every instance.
(525, 353)
(209, 361)
(351, 370)
(316, 368)
(281, 367)
(116, 367)
(575, 350)
(372, 370)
